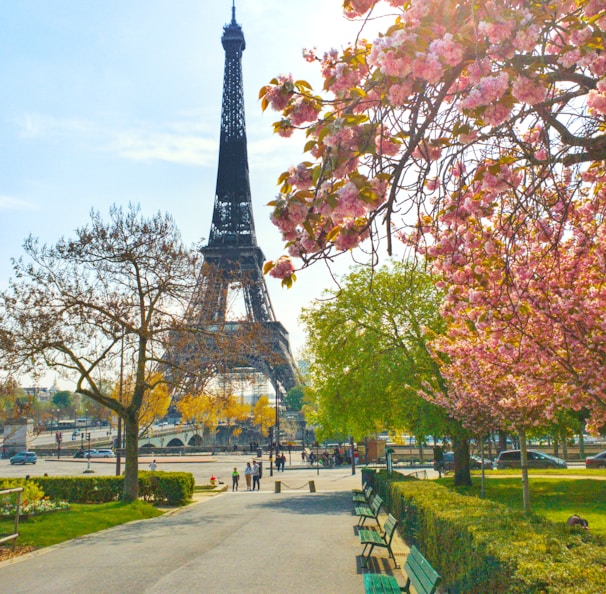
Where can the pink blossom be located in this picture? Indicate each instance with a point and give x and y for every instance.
(489, 90)
(526, 39)
(528, 90)
(349, 205)
(570, 58)
(355, 8)
(594, 7)
(541, 155)
(458, 169)
(299, 176)
(446, 48)
(596, 101)
(427, 67)
(279, 95)
(495, 115)
(399, 93)
(386, 145)
(432, 184)
(427, 151)
(496, 32)
(309, 55)
(304, 110)
(283, 268)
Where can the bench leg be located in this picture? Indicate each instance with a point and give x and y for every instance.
(367, 557)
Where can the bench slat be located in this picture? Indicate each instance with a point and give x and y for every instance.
(421, 574)
(377, 583)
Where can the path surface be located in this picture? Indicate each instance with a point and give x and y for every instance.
(293, 541)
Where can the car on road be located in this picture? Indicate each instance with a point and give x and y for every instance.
(475, 462)
(536, 459)
(597, 461)
(102, 454)
(83, 453)
(24, 458)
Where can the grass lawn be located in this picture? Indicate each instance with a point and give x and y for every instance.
(555, 498)
(55, 527)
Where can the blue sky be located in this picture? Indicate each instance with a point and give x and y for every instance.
(114, 101)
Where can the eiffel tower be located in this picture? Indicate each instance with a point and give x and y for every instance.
(232, 257)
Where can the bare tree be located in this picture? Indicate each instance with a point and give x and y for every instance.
(106, 301)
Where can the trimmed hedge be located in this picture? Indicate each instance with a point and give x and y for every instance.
(480, 546)
(172, 488)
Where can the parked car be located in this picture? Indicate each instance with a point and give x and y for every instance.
(512, 459)
(475, 462)
(84, 453)
(102, 454)
(24, 458)
(597, 461)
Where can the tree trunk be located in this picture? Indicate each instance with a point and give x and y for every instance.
(131, 464)
(462, 476)
(524, 464)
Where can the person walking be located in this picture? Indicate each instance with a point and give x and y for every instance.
(255, 476)
(248, 475)
(235, 479)
(153, 465)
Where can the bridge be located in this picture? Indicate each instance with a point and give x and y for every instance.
(171, 437)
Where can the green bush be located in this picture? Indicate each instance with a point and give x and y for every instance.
(479, 546)
(173, 488)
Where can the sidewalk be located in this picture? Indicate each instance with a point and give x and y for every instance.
(293, 541)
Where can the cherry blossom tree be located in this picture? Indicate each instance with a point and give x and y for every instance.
(526, 337)
(449, 91)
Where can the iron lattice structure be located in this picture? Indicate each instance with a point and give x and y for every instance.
(232, 257)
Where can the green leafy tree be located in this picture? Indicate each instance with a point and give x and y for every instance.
(294, 398)
(63, 399)
(367, 344)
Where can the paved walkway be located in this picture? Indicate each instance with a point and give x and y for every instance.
(288, 542)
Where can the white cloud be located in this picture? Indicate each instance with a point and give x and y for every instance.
(184, 142)
(171, 147)
(10, 203)
(36, 125)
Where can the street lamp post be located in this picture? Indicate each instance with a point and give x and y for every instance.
(119, 435)
(88, 468)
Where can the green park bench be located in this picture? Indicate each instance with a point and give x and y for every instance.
(370, 510)
(363, 497)
(371, 538)
(420, 573)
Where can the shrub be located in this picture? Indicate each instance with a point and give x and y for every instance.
(480, 546)
(173, 488)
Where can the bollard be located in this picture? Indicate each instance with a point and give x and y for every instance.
(278, 487)
(312, 487)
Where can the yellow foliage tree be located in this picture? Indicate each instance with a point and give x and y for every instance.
(201, 410)
(234, 411)
(264, 415)
(156, 399)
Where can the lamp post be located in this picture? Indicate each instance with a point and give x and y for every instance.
(119, 428)
(88, 468)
